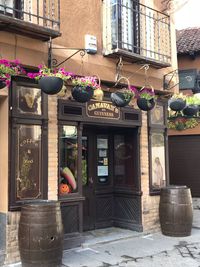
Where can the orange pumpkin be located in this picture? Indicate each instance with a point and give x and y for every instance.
(64, 189)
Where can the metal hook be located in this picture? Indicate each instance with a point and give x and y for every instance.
(119, 67)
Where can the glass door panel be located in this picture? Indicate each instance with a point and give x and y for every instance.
(123, 160)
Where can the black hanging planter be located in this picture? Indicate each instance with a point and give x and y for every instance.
(2, 84)
(177, 104)
(82, 94)
(50, 85)
(119, 100)
(191, 110)
(145, 104)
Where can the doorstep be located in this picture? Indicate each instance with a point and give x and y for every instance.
(106, 235)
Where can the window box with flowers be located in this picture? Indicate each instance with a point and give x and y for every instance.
(9, 68)
(50, 81)
(84, 87)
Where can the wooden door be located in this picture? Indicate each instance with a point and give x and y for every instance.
(184, 167)
(96, 175)
(88, 180)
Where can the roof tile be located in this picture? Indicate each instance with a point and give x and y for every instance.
(188, 40)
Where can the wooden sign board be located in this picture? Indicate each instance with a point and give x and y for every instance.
(102, 109)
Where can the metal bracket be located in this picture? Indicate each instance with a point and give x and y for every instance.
(167, 79)
(53, 63)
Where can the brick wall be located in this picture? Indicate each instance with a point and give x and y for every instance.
(52, 148)
(150, 216)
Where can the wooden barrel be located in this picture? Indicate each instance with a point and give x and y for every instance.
(176, 211)
(41, 234)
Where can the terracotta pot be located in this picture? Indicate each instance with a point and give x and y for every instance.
(118, 99)
(82, 94)
(50, 85)
(177, 104)
(145, 104)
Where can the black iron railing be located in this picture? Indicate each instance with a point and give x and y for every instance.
(137, 29)
(45, 13)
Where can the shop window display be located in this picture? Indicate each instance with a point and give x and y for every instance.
(68, 161)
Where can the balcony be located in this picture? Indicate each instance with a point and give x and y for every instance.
(136, 32)
(38, 19)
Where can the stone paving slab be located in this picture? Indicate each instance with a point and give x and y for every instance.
(145, 251)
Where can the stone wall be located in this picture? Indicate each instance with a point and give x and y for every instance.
(12, 249)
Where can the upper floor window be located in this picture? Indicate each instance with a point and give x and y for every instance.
(45, 15)
(131, 28)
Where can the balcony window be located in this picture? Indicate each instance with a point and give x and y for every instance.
(136, 31)
(35, 18)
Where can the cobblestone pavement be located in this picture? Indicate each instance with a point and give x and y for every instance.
(181, 256)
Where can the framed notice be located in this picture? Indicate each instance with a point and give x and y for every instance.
(102, 170)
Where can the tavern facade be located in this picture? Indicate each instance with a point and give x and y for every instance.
(105, 154)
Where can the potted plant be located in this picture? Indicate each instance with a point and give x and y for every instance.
(192, 107)
(84, 87)
(177, 102)
(9, 68)
(50, 81)
(122, 97)
(146, 99)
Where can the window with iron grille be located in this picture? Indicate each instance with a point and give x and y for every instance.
(137, 30)
(42, 13)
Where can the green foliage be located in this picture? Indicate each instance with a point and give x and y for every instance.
(179, 96)
(128, 94)
(181, 123)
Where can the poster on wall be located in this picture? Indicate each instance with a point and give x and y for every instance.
(158, 179)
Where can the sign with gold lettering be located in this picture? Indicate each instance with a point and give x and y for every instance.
(28, 162)
(102, 109)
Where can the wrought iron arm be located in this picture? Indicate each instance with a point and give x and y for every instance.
(166, 83)
(52, 62)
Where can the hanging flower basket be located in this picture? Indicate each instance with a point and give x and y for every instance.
(145, 104)
(191, 110)
(146, 99)
(177, 104)
(119, 100)
(82, 94)
(122, 97)
(50, 81)
(84, 87)
(50, 85)
(9, 68)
